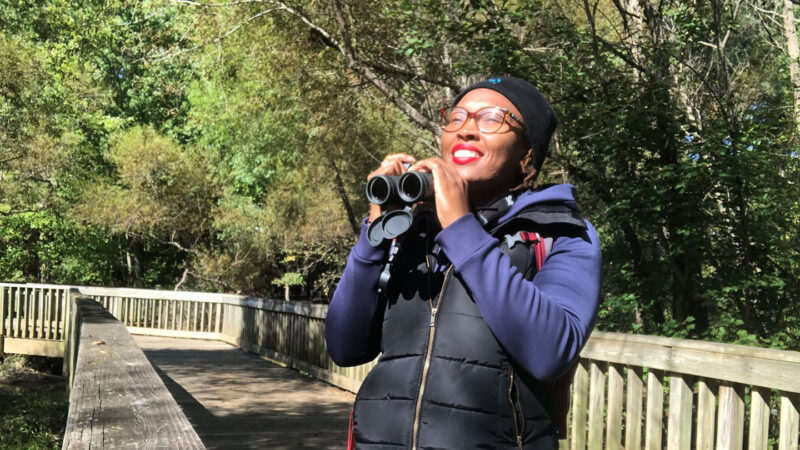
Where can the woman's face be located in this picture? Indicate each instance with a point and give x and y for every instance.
(489, 163)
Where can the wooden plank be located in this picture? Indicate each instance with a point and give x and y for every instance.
(739, 364)
(758, 436)
(219, 308)
(117, 399)
(27, 314)
(633, 409)
(3, 313)
(597, 399)
(180, 316)
(48, 312)
(36, 312)
(730, 418)
(17, 312)
(655, 411)
(64, 298)
(614, 415)
(580, 405)
(42, 313)
(350, 381)
(790, 418)
(196, 318)
(679, 427)
(706, 416)
(174, 333)
(36, 347)
(61, 314)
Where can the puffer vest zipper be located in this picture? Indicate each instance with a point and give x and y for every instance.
(443, 380)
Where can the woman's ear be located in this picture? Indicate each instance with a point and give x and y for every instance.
(527, 171)
(526, 164)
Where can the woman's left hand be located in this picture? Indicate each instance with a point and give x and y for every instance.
(450, 190)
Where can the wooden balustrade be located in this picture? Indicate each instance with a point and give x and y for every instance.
(630, 391)
(32, 319)
(117, 399)
(696, 394)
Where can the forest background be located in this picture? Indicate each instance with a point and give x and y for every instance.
(225, 146)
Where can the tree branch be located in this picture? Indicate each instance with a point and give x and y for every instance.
(351, 60)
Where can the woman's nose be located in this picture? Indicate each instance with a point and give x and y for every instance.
(469, 129)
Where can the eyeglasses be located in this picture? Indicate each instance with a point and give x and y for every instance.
(488, 119)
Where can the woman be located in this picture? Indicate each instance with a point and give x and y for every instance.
(470, 340)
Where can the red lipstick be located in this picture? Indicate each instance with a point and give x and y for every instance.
(465, 153)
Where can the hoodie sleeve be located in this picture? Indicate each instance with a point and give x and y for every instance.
(354, 319)
(543, 324)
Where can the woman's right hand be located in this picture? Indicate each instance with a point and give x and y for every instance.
(391, 165)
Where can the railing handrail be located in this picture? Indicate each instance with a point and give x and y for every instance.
(764, 367)
(302, 308)
(117, 399)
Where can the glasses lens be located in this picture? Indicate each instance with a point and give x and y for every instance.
(453, 118)
(490, 119)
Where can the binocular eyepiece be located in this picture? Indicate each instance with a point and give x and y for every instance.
(408, 188)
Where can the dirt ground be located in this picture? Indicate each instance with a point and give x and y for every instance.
(33, 402)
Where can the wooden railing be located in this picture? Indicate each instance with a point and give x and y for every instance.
(32, 319)
(117, 399)
(291, 333)
(632, 392)
(718, 396)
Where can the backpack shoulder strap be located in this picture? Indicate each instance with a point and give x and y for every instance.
(540, 245)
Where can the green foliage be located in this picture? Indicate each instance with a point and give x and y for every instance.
(289, 279)
(151, 144)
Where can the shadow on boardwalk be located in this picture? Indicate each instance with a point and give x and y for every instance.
(236, 400)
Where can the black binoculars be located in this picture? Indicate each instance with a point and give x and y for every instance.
(408, 188)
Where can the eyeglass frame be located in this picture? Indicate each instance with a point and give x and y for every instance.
(474, 115)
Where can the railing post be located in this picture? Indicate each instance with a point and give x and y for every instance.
(218, 318)
(759, 419)
(730, 419)
(655, 410)
(2, 317)
(679, 428)
(790, 418)
(706, 416)
(597, 400)
(633, 410)
(614, 414)
(580, 394)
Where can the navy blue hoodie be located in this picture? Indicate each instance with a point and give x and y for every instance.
(542, 324)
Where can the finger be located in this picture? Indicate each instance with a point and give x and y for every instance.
(398, 157)
(422, 165)
(404, 157)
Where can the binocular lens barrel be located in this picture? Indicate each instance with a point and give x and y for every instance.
(415, 186)
(382, 189)
(408, 188)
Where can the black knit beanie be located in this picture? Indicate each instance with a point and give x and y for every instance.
(537, 114)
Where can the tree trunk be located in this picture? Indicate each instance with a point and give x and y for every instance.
(351, 217)
(790, 33)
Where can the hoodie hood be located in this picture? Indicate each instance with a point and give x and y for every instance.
(552, 204)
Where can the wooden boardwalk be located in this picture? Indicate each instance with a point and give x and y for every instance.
(236, 400)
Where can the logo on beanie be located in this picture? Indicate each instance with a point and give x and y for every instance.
(494, 80)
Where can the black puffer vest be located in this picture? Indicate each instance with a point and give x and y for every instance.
(443, 381)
